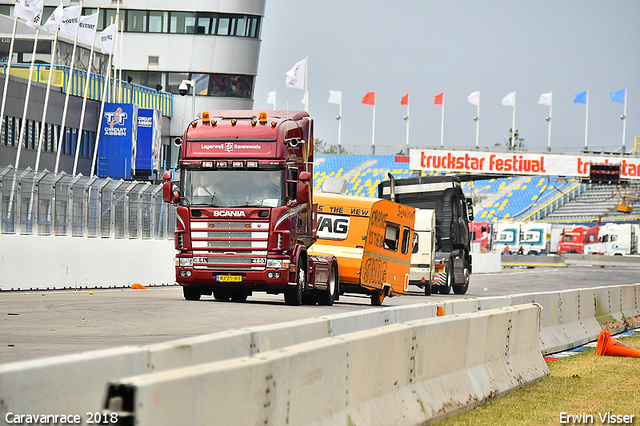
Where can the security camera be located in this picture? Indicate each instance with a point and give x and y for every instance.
(183, 89)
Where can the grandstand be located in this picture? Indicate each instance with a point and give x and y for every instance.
(525, 198)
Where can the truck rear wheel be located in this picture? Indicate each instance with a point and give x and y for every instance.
(328, 296)
(191, 293)
(294, 296)
(462, 289)
(446, 289)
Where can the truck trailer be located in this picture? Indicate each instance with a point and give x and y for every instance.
(245, 211)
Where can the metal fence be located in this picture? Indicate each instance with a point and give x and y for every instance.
(44, 203)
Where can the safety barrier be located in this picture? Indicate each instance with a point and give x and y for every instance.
(568, 319)
(416, 371)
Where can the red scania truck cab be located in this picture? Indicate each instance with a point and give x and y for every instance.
(245, 215)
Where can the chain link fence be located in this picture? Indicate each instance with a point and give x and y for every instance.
(44, 203)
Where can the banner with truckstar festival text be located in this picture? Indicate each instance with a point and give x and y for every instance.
(517, 163)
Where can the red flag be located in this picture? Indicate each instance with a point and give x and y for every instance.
(405, 99)
(438, 99)
(369, 98)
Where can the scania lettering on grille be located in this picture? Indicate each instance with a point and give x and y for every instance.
(228, 213)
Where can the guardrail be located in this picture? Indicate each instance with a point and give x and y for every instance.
(570, 259)
(371, 367)
(44, 203)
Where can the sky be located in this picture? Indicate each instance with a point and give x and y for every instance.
(426, 47)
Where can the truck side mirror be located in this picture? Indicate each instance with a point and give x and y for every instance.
(175, 197)
(166, 190)
(302, 191)
(305, 177)
(470, 209)
(167, 176)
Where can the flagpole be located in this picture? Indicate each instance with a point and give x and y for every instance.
(46, 100)
(66, 99)
(114, 52)
(84, 98)
(478, 124)
(340, 126)
(513, 126)
(120, 94)
(549, 120)
(586, 121)
(406, 118)
(442, 124)
(306, 90)
(624, 120)
(23, 125)
(373, 132)
(105, 90)
(8, 71)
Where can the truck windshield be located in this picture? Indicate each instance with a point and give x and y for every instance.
(233, 188)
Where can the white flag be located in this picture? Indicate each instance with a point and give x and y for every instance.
(510, 99)
(271, 98)
(70, 21)
(474, 98)
(54, 20)
(30, 11)
(295, 76)
(106, 38)
(545, 99)
(335, 97)
(87, 29)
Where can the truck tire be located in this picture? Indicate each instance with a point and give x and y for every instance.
(427, 289)
(462, 289)
(328, 296)
(293, 297)
(191, 293)
(377, 297)
(446, 289)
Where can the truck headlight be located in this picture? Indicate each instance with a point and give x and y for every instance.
(186, 261)
(275, 263)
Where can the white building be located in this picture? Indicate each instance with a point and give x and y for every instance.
(214, 44)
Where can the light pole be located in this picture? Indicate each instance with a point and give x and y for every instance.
(184, 89)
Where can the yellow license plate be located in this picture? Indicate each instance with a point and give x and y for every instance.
(230, 278)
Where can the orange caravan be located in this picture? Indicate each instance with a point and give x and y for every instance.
(372, 240)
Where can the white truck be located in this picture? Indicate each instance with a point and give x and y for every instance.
(424, 249)
(524, 238)
(616, 239)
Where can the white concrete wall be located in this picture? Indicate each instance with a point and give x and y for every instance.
(33, 262)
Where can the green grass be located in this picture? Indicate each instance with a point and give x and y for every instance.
(578, 384)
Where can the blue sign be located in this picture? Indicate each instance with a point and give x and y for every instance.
(118, 136)
(148, 143)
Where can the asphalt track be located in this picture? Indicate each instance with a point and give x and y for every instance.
(37, 324)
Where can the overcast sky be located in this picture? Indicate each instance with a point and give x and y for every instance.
(426, 47)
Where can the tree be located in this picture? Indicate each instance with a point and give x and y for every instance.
(320, 147)
(510, 145)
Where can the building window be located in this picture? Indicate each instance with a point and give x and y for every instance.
(158, 21)
(182, 23)
(136, 21)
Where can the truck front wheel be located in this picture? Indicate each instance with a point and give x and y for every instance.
(191, 293)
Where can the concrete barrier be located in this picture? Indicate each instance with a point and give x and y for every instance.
(630, 304)
(406, 373)
(34, 262)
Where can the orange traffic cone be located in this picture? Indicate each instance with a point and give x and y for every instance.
(609, 346)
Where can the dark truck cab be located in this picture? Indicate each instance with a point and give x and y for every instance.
(453, 213)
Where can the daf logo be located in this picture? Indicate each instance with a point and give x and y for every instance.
(228, 213)
(228, 146)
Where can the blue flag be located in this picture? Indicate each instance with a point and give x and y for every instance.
(618, 96)
(581, 98)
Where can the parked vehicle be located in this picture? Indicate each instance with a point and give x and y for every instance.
(372, 240)
(424, 249)
(245, 212)
(479, 234)
(616, 239)
(574, 240)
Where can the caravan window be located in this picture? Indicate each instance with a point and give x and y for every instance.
(391, 237)
(405, 240)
